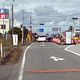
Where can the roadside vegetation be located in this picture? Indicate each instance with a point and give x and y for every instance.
(17, 50)
(15, 55)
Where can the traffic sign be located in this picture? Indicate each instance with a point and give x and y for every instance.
(55, 29)
(41, 30)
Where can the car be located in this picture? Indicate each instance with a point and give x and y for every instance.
(50, 38)
(42, 39)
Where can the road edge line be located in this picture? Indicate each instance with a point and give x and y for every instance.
(20, 76)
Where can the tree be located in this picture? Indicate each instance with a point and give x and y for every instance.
(18, 31)
(25, 32)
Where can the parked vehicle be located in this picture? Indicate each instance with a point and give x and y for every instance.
(42, 39)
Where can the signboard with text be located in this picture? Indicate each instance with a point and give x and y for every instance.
(77, 30)
(56, 29)
(3, 26)
(68, 37)
(15, 40)
(41, 30)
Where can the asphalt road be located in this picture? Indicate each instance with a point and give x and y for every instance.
(46, 57)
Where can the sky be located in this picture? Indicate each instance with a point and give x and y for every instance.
(49, 12)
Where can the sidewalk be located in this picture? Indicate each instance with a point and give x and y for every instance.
(11, 71)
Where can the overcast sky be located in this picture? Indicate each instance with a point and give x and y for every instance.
(53, 12)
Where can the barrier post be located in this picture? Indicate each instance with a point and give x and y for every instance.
(4, 54)
(1, 51)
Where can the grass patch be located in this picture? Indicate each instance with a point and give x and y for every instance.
(6, 50)
(6, 42)
(14, 57)
(7, 46)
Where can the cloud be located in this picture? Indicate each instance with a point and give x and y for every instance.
(64, 23)
(45, 11)
(19, 16)
(46, 14)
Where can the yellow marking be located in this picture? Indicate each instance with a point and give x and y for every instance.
(54, 70)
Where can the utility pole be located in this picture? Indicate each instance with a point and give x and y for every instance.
(3, 26)
(12, 19)
(30, 24)
(23, 27)
(60, 29)
(30, 20)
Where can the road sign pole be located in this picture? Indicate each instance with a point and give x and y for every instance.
(1, 51)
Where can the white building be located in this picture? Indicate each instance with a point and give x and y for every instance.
(6, 22)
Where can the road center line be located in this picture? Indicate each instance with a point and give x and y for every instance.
(53, 70)
(67, 49)
(20, 77)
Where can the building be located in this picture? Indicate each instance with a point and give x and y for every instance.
(4, 28)
(4, 21)
(75, 30)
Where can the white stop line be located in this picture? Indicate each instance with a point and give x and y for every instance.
(56, 58)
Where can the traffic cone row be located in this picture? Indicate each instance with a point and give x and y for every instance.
(57, 41)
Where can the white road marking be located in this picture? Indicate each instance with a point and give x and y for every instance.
(60, 46)
(61, 59)
(67, 49)
(43, 44)
(20, 77)
(56, 58)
